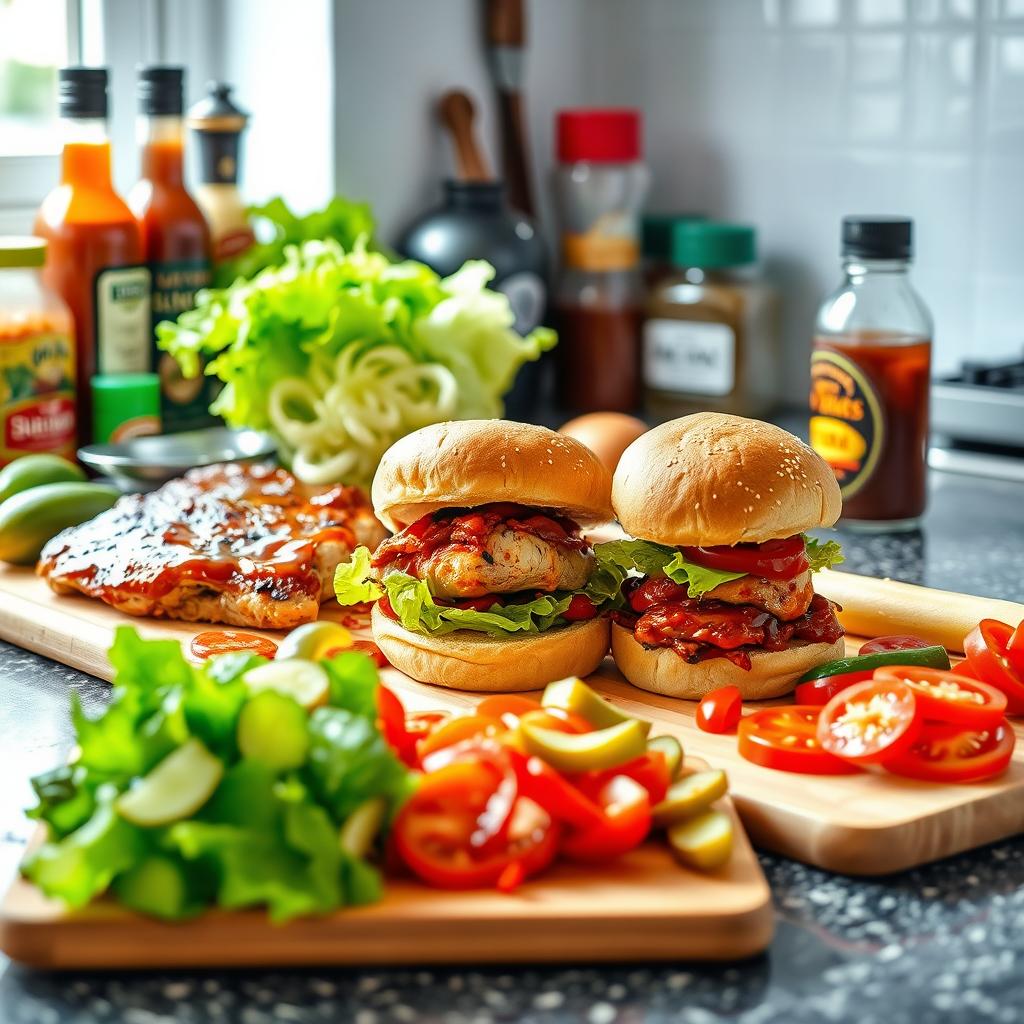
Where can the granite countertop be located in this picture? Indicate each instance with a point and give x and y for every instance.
(942, 943)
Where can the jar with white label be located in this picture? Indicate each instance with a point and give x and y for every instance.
(711, 338)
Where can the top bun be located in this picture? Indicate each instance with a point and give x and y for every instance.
(712, 479)
(473, 462)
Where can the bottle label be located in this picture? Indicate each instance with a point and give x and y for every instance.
(527, 296)
(123, 324)
(184, 401)
(847, 424)
(37, 396)
(689, 357)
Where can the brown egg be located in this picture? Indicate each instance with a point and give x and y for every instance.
(606, 434)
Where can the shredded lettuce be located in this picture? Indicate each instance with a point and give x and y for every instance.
(263, 838)
(649, 559)
(353, 580)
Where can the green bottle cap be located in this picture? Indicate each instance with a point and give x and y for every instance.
(22, 251)
(710, 244)
(656, 231)
(125, 405)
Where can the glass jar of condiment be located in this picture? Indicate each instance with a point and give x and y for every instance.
(600, 184)
(870, 378)
(37, 357)
(711, 339)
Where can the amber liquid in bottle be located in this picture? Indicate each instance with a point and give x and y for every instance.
(893, 463)
(93, 262)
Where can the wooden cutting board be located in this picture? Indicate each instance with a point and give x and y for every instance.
(866, 824)
(643, 907)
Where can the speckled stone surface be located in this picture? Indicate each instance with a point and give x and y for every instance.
(943, 943)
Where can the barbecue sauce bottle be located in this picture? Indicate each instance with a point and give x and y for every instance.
(94, 255)
(176, 239)
(870, 379)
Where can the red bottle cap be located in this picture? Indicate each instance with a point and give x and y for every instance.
(600, 136)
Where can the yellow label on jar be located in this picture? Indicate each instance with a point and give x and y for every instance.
(847, 428)
(37, 396)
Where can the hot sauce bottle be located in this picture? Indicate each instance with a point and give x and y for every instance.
(94, 261)
(176, 239)
(870, 376)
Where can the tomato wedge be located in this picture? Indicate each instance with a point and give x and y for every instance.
(786, 738)
(893, 643)
(627, 821)
(393, 719)
(555, 793)
(1015, 649)
(454, 730)
(509, 707)
(949, 753)
(948, 697)
(226, 641)
(821, 691)
(436, 831)
(368, 647)
(773, 560)
(720, 710)
(987, 647)
(650, 770)
(871, 722)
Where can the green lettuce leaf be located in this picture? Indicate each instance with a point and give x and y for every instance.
(823, 554)
(650, 559)
(353, 580)
(353, 679)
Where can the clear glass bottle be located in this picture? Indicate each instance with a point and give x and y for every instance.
(600, 183)
(870, 378)
(711, 338)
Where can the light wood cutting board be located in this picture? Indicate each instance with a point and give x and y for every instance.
(866, 824)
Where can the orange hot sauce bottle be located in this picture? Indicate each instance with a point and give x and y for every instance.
(176, 238)
(95, 260)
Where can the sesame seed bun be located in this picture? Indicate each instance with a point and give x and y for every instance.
(771, 673)
(712, 479)
(465, 660)
(474, 462)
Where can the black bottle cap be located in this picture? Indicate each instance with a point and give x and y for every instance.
(216, 111)
(82, 92)
(878, 238)
(161, 90)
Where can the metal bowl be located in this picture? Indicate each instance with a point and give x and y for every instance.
(144, 463)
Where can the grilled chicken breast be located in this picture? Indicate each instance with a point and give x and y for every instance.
(241, 544)
(785, 599)
(510, 560)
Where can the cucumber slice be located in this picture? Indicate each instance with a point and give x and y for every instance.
(690, 796)
(304, 681)
(926, 657)
(574, 695)
(359, 831)
(175, 789)
(588, 751)
(673, 751)
(704, 842)
(274, 729)
(313, 640)
(156, 886)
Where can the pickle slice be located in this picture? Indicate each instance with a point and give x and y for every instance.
(313, 640)
(690, 796)
(274, 729)
(175, 789)
(704, 842)
(673, 751)
(588, 751)
(304, 681)
(357, 834)
(574, 695)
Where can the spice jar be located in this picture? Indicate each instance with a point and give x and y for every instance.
(711, 338)
(37, 357)
(600, 184)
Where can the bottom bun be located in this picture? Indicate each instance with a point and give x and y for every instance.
(465, 660)
(771, 673)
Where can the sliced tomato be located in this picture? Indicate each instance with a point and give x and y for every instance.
(786, 738)
(893, 643)
(227, 641)
(949, 753)
(461, 727)
(436, 829)
(948, 697)
(1015, 649)
(821, 691)
(870, 722)
(720, 710)
(773, 560)
(392, 718)
(557, 795)
(986, 647)
(370, 648)
(509, 707)
(650, 770)
(580, 609)
(627, 821)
